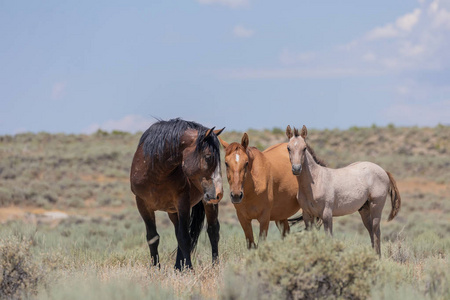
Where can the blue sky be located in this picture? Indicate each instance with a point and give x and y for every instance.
(77, 66)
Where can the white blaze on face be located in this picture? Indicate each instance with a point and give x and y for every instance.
(237, 158)
(217, 178)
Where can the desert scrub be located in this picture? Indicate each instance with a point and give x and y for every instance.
(308, 265)
(20, 273)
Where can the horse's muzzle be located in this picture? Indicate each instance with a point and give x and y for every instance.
(236, 198)
(296, 169)
(211, 199)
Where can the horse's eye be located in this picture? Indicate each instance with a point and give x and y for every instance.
(226, 164)
(289, 149)
(208, 157)
(246, 164)
(304, 150)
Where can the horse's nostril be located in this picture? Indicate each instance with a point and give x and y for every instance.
(296, 169)
(241, 195)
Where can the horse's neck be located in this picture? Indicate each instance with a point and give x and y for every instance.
(259, 169)
(311, 169)
(168, 170)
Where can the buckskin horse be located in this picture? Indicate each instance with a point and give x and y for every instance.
(260, 187)
(326, 193)
(176, 167)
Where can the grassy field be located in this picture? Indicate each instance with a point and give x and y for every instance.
(69, 227)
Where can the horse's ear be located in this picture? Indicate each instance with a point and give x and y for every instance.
(224, 144)
(288, 132)
(304, 132)
(244, 141)
(219, 131)
(208, 133)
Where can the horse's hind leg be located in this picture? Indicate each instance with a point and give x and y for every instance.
(308, 220)
(327, 218)
(212, 211)
(364, 211)
(150, 225)
(283, 226)
(376, 208)
(264, 221)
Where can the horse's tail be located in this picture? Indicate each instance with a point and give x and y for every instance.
(395, 197)
(196, 223)
(294, 221)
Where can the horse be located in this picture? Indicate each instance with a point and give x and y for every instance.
(176, 167)
(260, 187)
(325, 193)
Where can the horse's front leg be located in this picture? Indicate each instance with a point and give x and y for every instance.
(248, 230)
(174, 218)
(181, 224)
(212, 212)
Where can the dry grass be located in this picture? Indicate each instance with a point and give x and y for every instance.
(99, 250)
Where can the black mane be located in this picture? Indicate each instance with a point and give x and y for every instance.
(319, 161)
(162, 139)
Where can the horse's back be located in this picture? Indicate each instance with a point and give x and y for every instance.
(285, 184)
(356, 183)
(278, 157)
(367, 173)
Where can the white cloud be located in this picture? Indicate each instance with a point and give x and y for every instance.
(129, 123)
(289, 58)
(387, 31)
(434, 6)
(441, 16)
(369, 56)
(58, 90)
(287, 73)
(408, 49)
(409, 43)
(403, 90)
(403, 24)
(421, 114)
(20, 130)
(242, 32)
(228, 3)
(408, 21)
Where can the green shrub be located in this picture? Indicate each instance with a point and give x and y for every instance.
(6, 196)
(310, 265)
(20, 274)
(277, 130)
(437, 280)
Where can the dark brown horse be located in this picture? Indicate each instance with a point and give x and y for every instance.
(176, 167)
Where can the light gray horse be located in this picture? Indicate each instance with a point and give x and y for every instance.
(326, 193)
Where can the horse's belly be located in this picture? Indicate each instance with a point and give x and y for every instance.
(348, 205)
(284, 206)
